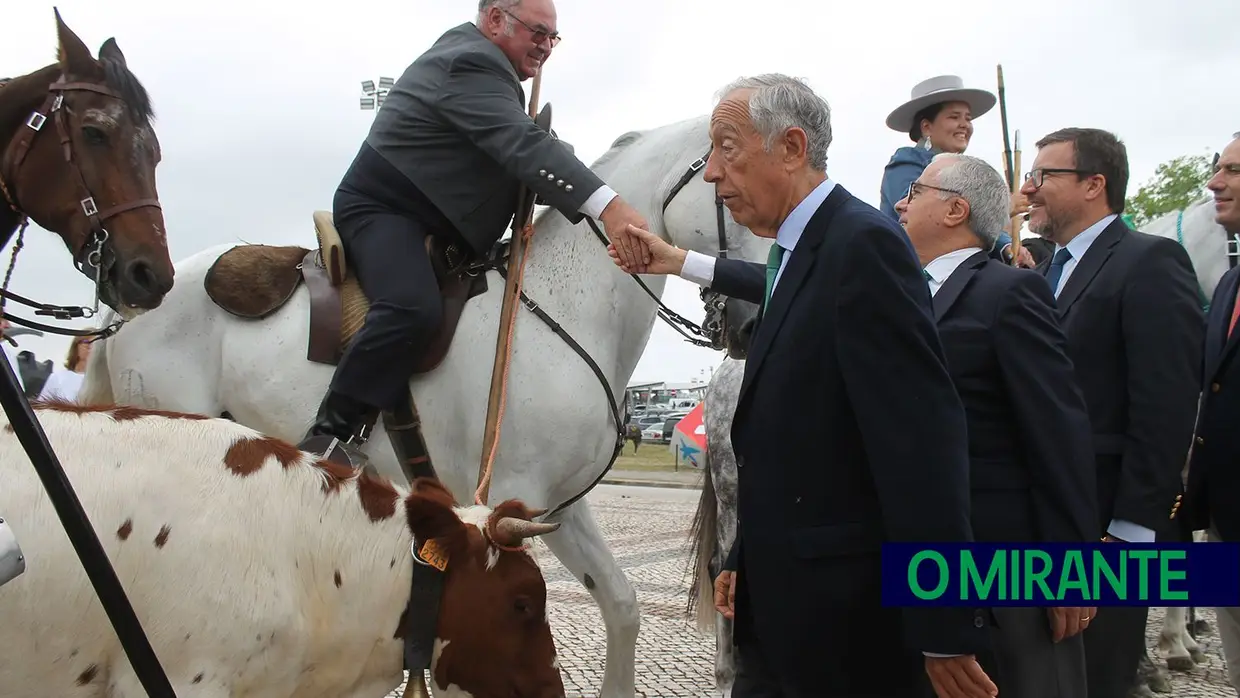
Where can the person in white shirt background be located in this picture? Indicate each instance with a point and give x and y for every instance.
(64, 383)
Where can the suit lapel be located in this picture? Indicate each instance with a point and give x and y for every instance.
(796, 271)
(1218, 346)
(1089, 265)
(955, 283)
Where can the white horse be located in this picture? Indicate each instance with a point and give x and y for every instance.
(558, 431)
(714, 524)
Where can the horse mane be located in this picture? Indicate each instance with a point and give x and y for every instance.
(117, 76)
(616, 146)
(19, 95)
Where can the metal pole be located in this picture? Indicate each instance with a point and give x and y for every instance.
(77, 526)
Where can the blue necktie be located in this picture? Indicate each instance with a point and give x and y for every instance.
(773, 259)
(927, 275)
(1056, 271)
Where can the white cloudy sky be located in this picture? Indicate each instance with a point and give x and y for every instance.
(258, 114)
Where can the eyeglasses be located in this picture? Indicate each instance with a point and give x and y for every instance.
(536, 35)
(1038, 176)
(915, 187)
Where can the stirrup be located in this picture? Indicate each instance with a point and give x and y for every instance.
(332, 449)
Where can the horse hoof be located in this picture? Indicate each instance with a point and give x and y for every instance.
(1140, 691)
(1159, 683)
(1180, 663)
(1200, 627)
(1198, 656)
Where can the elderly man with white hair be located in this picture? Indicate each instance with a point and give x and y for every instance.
(848, 432)
(1030, 449)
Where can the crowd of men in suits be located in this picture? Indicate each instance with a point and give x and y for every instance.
(944, 395)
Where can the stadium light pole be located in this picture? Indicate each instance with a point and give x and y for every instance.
(373, 96)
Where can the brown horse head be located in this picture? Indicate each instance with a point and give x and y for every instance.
(78, 157)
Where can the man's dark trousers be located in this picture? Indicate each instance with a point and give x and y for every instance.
(383, 221)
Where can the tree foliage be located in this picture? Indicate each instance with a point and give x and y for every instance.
(1176, 184)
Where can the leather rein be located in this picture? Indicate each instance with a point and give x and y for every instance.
(713, 330)
(95, 256)
(710, 333)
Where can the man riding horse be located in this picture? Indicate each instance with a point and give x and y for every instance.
(447, 156)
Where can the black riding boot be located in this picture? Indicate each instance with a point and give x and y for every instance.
(336, 434)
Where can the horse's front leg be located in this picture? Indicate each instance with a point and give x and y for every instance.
(579, 545)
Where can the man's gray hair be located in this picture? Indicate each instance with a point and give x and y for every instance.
(990, 200)
(484, 5)
(780, 102)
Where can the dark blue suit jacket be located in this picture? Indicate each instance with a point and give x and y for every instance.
(1030, 445)
(1214, 468)
(848, 433)
(1134, 326)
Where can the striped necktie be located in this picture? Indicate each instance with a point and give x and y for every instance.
(773, 259)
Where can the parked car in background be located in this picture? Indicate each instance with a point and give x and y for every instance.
(670, 420)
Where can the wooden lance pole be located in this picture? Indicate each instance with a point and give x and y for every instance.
(522, 229)
(1017, 221)
(1011, 167)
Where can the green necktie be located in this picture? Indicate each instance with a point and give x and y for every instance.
(773, 259)
(927, 275)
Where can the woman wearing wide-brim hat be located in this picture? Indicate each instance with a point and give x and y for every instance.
(938, 118)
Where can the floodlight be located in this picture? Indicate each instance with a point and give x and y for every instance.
(368, 86)
(386, 83)
(368, 103)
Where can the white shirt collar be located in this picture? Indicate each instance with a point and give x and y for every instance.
(790, 230)
(942, 266)
(1079, 245)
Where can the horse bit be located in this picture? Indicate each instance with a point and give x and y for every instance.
(95, 255)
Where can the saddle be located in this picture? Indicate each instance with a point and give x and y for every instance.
(255, 281)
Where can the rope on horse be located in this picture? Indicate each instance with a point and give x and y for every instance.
(527, 234)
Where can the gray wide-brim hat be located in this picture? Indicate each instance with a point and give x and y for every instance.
(944, 88)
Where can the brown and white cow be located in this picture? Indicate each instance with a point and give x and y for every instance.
(257, 571)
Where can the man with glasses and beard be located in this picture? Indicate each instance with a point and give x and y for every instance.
(446, 157)
(1128, 304)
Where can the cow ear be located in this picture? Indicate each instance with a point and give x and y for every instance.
(428, 509)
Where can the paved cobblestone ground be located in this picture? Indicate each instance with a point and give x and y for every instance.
(646, 529)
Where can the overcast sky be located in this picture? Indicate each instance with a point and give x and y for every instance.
(258, 115)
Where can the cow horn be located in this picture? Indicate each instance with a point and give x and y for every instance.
(535, 513)
(511, 531)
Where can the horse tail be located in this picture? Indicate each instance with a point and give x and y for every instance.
(97, 383)
(704, 541)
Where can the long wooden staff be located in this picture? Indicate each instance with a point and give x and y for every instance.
(1018, 220)
(521, 230)
(1012, 168)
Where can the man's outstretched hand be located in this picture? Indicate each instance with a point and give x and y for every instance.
(959, 677)
(663, 258)
(617, 218)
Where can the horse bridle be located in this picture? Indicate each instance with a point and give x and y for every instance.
(715, 323)
(94, 258)
(671, 317)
